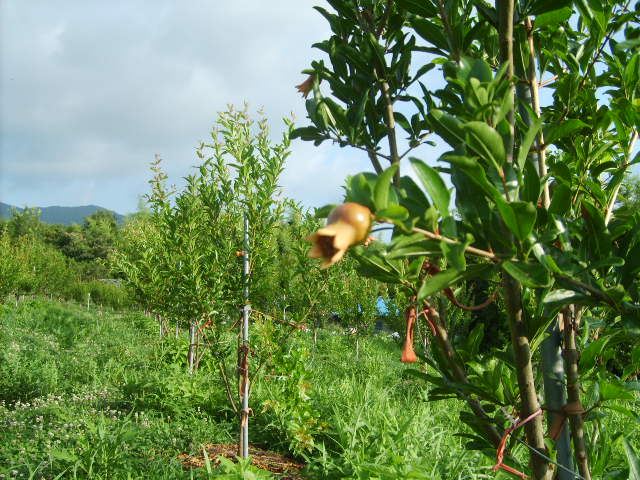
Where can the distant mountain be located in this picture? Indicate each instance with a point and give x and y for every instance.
(63, 215)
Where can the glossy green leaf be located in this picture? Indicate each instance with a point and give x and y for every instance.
(447, 126)
(553, 17)
(532, 185)
(527, 142)
(474, 171)
(412, 197)
(565, 129)
(531, 275)
(360, 189)
(470, 67)
(433, 184)
(560, 297)
(430, 248)
(431, 32)
(519, 217)
(393, 213)
(454, 253)
(611, 391)
(446, 278)
(538, 7)
(486, 142)
(632, 460)
(542, 256)
(323, 212)
(382, 186)
(561, 200)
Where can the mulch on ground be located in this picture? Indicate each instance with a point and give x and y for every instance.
(284, 467)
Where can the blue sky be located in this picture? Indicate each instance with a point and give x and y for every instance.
(91, 91)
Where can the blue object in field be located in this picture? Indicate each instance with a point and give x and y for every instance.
(382, 306)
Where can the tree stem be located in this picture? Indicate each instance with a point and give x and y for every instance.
(390, 122)
(535, 103)
(524, 371)
(442, 339)
(571, 317)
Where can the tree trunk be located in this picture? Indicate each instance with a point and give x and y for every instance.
(571, 318)
(524, 370)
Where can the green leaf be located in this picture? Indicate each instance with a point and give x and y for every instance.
(446, 278)
(590, 353)
(538, 7)
(553, 17)
(561, 297)
(542, 256)
(454, 253)
(561, 200)
(323, 212)
(632, 73)
(474, 171)
(382, 186)
(532, 184)
(470, 67)
(360, 189)
(531, 275)
(628, 45)
(433, 184)
(447, 126)
(527, 141)
(412, 197)
(611, 391)
(519, 217)
(431, 32)
(486, 142)
(424, 8)
(393, 213)
(632, 460)
(565, 129)
(430, 248)
(401, 120)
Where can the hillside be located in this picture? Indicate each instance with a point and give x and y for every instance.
(63, 215)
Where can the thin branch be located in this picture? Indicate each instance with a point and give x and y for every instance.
(447, 28)
(595, 57)
(544, 83)
(442, 339)
(369, 150)
(390, 121)
(470, 249)
(535, 100)
(373, 157)
(420, 142)
(384, 20)
(592, 290)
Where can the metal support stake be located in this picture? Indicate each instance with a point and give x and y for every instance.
(556, 396)
(244, 355)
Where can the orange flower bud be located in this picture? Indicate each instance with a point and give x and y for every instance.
(408, 353)
(306, 86)
(348, 224)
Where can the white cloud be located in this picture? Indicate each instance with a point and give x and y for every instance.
(91, 91)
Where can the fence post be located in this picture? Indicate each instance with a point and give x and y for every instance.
(243, 369)
(192, 342)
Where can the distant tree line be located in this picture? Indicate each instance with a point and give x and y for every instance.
(61, 261)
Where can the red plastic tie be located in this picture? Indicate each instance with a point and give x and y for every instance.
(503, 443)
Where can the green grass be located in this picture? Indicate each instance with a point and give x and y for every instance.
(88, 395)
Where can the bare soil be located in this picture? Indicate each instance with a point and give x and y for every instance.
(283, 467)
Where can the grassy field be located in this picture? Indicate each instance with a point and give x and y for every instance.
(100, 395)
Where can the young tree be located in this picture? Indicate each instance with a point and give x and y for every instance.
(535, 184)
